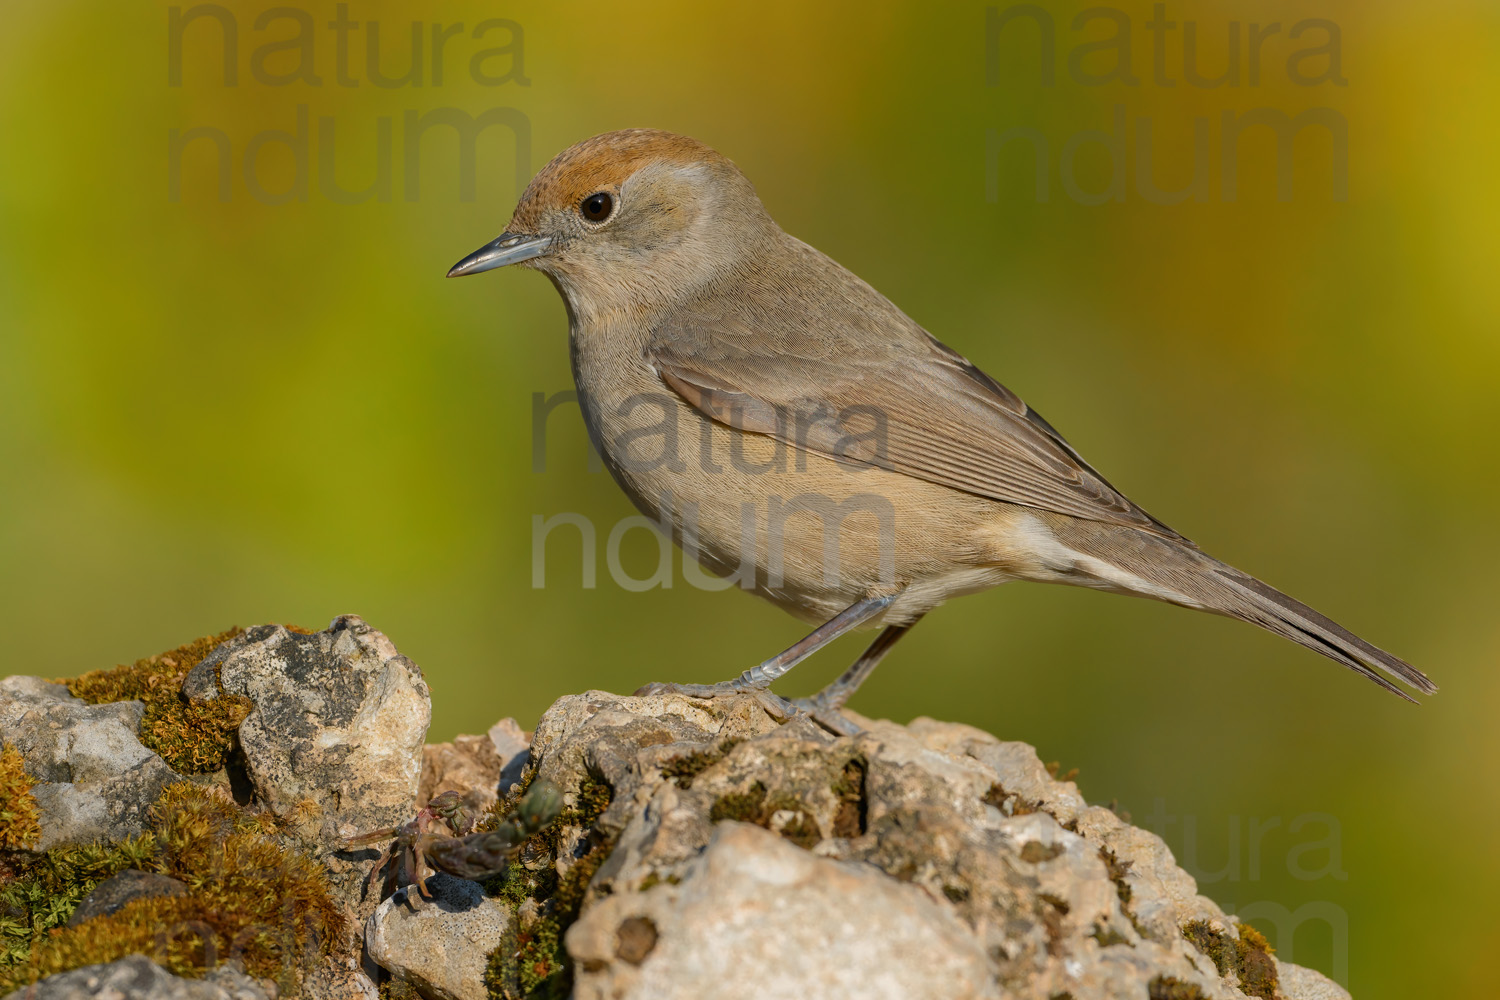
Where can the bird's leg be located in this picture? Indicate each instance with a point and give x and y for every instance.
(827, 703)
(760, 676)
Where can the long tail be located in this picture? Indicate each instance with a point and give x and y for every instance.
(1179, 573)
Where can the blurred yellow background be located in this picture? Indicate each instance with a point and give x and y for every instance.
(220, 411)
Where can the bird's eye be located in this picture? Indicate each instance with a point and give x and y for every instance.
(596, 207)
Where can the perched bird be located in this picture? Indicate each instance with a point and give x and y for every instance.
(794, 430)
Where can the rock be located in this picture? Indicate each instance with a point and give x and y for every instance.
(707, 848)
(338, 723)
(478, 767)
(513, 745)
(340, 976)
(136, 977)
(755, 916)
(439, 945)
(747, 857)
(1306, 984)
(113, 893)
(469, 765)
(333, 746)
(95, 779)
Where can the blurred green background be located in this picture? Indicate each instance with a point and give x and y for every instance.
(218, 411)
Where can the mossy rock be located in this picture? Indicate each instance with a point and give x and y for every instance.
(191, 738)
(531, 963)
(246, 895)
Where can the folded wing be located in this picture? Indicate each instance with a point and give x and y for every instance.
(896, 400)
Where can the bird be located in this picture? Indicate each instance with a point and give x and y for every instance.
(796, 432)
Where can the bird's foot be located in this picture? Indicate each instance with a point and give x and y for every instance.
(825, 711)
(722, 690)
(779, 708)
(828, 713)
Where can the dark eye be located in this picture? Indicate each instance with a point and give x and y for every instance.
(596, 207)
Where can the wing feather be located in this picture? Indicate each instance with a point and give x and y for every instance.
(903, 402)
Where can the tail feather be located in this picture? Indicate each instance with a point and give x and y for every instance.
(1269, 608)
(1178, 572)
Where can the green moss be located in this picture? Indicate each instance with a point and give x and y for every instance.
(1117, 871)
(1257, 969)
(574, 884)
(849, 819)
(684, 769)
(1054, 767)
(653, 880)
(1108, 936)
(20, 824)
(530, 961)
(1248, 957)
(193, 739)
(1168, 988)
(1034, 852)
(41, 893)
(1009, 803)
(755, 806)
(802, 831)
(247, 895)
(1051, 910)
(1217, 945)
(504, 806)
(748, 806)
(518, 884)
(594, 797)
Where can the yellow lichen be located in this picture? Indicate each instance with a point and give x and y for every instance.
(193, 739)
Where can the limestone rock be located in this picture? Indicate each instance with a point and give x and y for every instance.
(438, 945)
(136, 977)
(468, 765)
(1306, 984)
(333, 746)
(340, 976)
(513, 745)
(708, 848)
(338, 723)
(478, 767)
(95, 779)
(751, 857)
(756, 917)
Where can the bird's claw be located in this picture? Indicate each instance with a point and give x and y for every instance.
(822, 711)
(777, 707)
(689, 690)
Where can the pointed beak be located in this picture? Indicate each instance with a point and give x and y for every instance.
(509, 248)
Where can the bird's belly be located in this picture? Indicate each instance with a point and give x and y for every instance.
(806, 532)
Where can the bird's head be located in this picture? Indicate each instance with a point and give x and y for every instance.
(630, 219)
